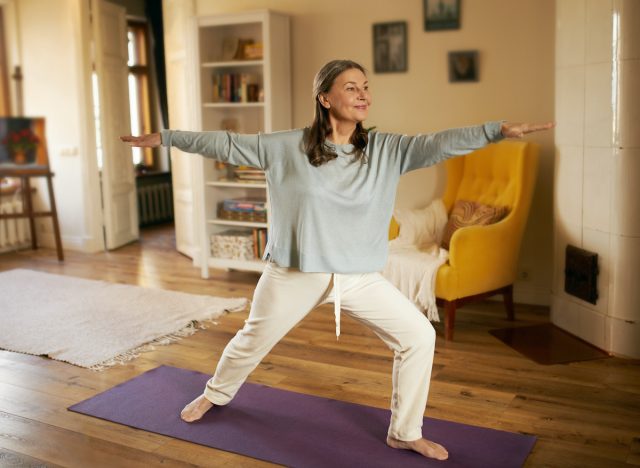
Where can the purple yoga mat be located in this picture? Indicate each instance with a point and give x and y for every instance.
(291, 428)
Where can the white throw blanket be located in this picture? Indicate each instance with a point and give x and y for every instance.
(415, 255)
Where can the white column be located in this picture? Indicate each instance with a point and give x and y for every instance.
(597, 168)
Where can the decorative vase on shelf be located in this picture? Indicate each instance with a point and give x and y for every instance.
(19, 156)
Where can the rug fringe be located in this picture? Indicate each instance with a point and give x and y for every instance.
(187, 330)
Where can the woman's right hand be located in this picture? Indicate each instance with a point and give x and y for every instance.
(150, 140)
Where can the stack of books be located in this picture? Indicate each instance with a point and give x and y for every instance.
(236, 87)
(259, 242)
(250, 175)
(243, 209)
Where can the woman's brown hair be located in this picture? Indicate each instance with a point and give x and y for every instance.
(315, 147)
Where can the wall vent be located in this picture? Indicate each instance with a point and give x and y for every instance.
(581, 274)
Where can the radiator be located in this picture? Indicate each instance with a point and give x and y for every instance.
(155, 199)
(14, 233)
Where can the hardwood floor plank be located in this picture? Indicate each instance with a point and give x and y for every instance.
(52, 411)
(9, 458)
(634, 452)
(208, 457)
(67, 448)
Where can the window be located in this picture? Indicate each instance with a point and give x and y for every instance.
(139, 100)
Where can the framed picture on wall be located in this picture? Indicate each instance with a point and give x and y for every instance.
(22, 144)
(463, 66)
(441, 14)
(390, 47)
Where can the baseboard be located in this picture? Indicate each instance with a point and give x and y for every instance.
(528, 295)
(83, 244)
(531, 295)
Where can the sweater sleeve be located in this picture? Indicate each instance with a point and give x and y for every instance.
(232, 148)
(420, 151)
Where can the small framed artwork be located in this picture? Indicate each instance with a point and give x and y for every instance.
(463, 66)
(390, 47)
(441, 14)
(22, 144)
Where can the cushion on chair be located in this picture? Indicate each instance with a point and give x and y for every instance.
(421, 227)
(469, 213)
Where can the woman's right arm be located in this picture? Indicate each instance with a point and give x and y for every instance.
(232, 148)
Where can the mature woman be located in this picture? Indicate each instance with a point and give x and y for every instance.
(332, 188)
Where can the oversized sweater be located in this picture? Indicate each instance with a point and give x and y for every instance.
(333, 218)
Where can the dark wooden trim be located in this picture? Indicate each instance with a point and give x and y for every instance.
(4, 70)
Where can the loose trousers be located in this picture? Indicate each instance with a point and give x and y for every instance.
(284, 296)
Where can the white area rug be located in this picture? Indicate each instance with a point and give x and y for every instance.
(96, 324)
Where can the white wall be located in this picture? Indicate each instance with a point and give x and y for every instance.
(598, 167)
(53, 57)
(516, 45)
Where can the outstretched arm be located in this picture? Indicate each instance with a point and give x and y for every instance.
(143, 141)
(426, 150)
(232, 148)
(518, 130)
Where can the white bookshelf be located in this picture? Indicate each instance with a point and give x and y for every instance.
(232, 105)
(270, 113)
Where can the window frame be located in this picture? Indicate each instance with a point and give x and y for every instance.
(140, 70)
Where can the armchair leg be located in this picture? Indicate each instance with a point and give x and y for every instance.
(508, 301)
(449, 319)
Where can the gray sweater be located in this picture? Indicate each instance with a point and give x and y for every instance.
(333, 218)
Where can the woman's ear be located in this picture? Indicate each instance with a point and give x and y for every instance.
(323, 101)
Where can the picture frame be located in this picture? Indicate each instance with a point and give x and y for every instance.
(23, 145)
(441, 15)
(390, 47)
(463, 66)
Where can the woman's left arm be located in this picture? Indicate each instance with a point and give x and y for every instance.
(426, 150)
(518, 130)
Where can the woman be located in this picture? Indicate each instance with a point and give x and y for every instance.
(332, 189)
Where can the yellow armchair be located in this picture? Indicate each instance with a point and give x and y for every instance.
(483, 259)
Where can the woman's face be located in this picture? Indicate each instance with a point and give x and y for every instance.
(349, 98)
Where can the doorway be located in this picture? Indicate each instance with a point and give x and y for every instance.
(147, 112)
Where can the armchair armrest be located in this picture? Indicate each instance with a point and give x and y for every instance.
(491, 250)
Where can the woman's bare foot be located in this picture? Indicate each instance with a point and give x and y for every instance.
(423, 446)
(196, 409)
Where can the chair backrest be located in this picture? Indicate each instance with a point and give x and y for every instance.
(500, 174)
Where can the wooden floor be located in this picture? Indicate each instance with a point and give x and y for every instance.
(584, 414)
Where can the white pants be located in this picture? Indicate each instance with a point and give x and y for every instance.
(284, 296)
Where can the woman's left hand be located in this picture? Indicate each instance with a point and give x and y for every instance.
(518, 130)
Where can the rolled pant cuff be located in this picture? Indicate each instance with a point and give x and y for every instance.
(406, 436)
(214, 398)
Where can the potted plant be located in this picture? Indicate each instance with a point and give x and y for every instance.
(20, 143)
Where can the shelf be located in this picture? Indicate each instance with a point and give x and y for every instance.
(231, 105)
(228, 222)
(251, 265)
(233, 63)
(237, 184)
(272, 75)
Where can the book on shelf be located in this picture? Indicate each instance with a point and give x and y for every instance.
(245, 174)
(259, 242)
(250, 175)
(236, 87)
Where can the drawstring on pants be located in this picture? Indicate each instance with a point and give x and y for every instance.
(336, 310)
